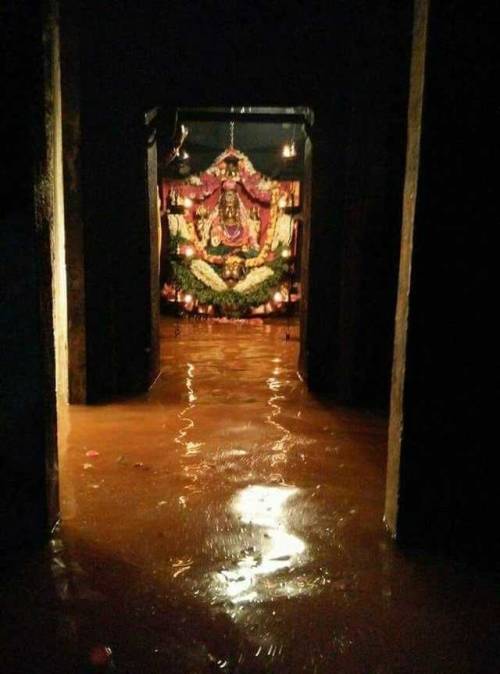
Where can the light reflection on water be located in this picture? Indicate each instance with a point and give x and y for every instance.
(189, 383)
(191, 471)
(279, 446)
(264, 508)
(189, 423)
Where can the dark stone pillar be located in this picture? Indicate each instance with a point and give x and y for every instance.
(358, 173)
(136, 274)
(28, 458)
(118, 168)
(73, 202)
(152, 218)
(374, 146)
(321, 338)
(305, 259)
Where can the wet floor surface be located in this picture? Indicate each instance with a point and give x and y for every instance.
(229, 521)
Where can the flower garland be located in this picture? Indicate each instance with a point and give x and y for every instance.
(266, 247)
(231, 152)
(205, 273)
(233, 302)
(254, 278)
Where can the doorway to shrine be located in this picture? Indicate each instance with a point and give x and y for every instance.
(234, 213)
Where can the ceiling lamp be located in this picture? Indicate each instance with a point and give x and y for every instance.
(181, 154)
(176, 150)
(289, 150)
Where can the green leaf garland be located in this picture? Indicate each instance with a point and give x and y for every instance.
(232, 302)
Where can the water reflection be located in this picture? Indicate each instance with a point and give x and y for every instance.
(188, 422)
(194, 566)
(191, 470)
(279, 446)
(189, 383)
(262, 507)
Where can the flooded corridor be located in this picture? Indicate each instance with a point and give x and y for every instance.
(229, 521)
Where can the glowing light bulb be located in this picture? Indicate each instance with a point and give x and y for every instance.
(188, 299)
(189, 251)
(277, 297)
(285, 253)
(289, 150)
(187, 202)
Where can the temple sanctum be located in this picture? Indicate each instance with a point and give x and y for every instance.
(232, 239)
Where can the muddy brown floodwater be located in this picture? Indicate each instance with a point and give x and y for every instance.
(229, 521)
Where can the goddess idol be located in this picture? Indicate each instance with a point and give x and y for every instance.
(233, 225)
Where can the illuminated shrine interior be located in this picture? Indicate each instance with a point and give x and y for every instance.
(231, 203)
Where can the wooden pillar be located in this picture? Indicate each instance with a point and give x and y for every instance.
(402, 310)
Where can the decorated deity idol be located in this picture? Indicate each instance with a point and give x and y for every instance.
(230, 228)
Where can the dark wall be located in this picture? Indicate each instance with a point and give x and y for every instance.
(28, 474)
(349, 63)
(114, 172)
(374, 173)
(448, 484)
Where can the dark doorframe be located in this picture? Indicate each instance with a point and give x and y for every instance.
(153, 227)
(305, 260)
